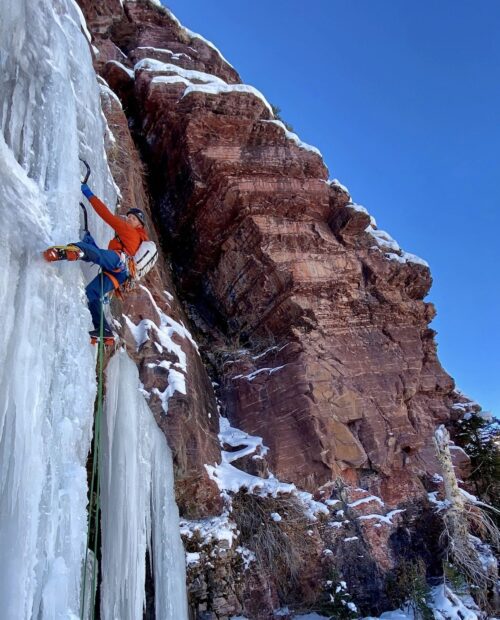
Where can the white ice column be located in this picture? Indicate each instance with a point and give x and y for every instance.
(49, 115)
(138, 505)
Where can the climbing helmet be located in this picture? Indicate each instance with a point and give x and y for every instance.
(138, 214)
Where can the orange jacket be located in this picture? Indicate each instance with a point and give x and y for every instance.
(128, 239)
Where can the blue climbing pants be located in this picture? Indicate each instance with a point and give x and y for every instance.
(108, 260)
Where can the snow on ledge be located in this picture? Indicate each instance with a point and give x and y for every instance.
(235, 437)
(107, 92)
(440, 504)
(210, 529)
(211, 84)
(391, 248)
(190, 33)
(444, 603)
(295, 138)
(231, 479)
(387, 519)
(195, 35)
(216, 88)
(365, 500)
(174, 326)
(356, 207)
(170, 79)
(122, 67)
(155, 2)
(338, 184)
(163, 50)
(252, 375)
(164, 334)
(385, 243)
(153, 65)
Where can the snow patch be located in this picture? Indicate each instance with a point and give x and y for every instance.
(365, 500)
(215, 88)
(165, 336)
(440, 504)
(356, 207)
(212, 529)
(195, 35)
(339, 185)
(156, 66)
(385, 242)
(383, 518)
(247, 556)
(235, 437)
(231, 479)
(294, 137)
(175, 56)
(107, 92)
(252, 375)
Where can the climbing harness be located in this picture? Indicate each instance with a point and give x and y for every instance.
(94, 503)
(140, 264)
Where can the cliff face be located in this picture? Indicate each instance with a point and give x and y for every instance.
(311, 319)
(153, 322)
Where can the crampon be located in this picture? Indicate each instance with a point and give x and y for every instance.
(62, 252)
(108, 338)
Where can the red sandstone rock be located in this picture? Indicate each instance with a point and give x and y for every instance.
(121, 33)
(355, 382)
(366, 371)
(332, 359)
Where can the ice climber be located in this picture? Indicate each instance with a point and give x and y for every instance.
(130, 233)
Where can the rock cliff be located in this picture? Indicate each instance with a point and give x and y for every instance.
(311, 327)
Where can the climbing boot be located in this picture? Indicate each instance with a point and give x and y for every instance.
(63, 252)
(108, 337)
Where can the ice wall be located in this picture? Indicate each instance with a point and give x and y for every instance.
(49, 114)
(138, 504)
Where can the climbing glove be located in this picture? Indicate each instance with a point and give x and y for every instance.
(86, 191)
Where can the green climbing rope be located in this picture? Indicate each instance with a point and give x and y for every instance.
(95, 483)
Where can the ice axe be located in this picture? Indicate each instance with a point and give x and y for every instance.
(88, 170)
(85, 179)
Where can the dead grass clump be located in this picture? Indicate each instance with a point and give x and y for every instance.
(280, 546)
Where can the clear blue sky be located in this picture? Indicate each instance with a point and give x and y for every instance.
(403, 100)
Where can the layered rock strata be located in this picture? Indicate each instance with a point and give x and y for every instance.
(341, 375)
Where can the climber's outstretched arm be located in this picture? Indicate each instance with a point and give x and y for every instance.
(116, 222)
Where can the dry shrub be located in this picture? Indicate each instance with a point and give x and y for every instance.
(280, 547)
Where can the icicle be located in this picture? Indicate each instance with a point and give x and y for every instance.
(137, 497)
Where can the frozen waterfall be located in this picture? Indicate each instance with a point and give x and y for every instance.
(49, 116)
(138, 504)
(50, 112)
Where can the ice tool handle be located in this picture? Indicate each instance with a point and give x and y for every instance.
(88, 170)
(85, 223)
